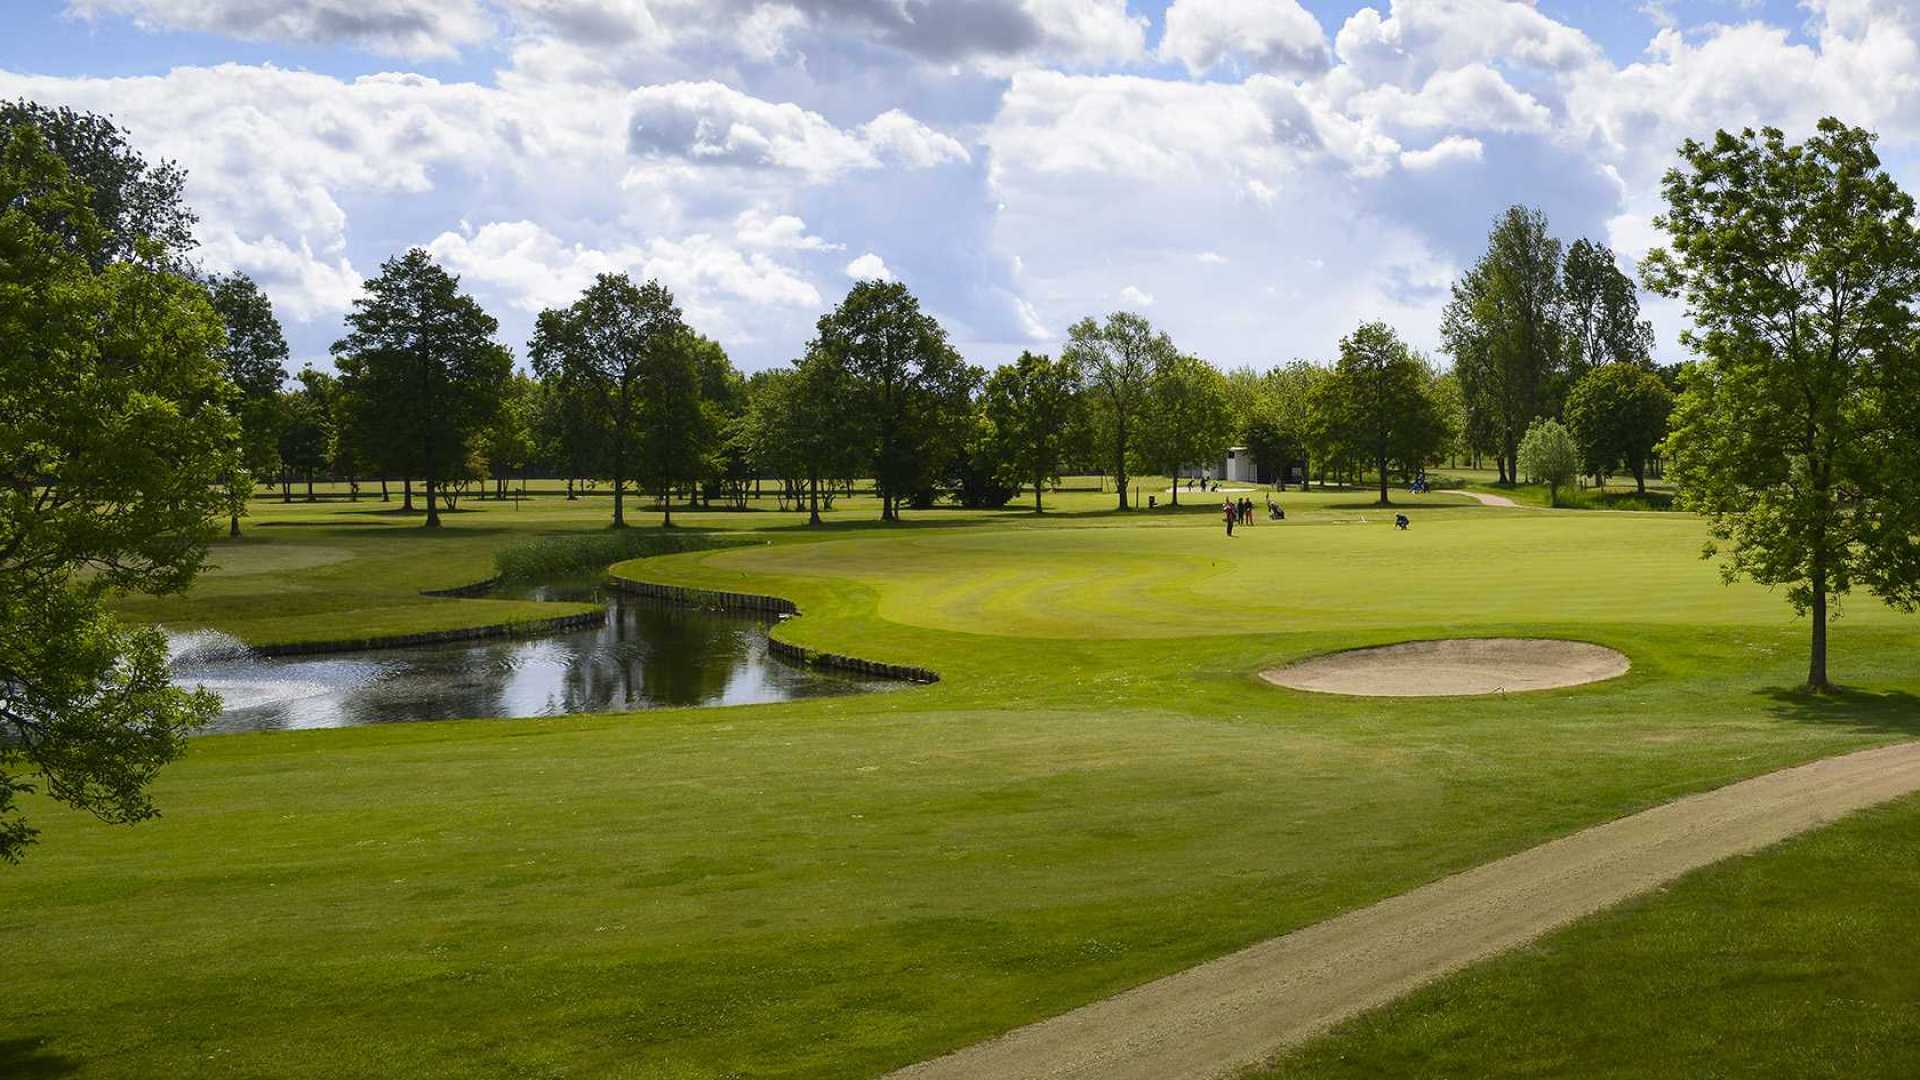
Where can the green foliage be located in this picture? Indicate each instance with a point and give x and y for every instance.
(136, 211)
(1796, 434)
(1032, 404)
(1548, 455)
(912, 392)
(423, 370)
(1188, 418)
(1377, 409)
(1617, 414)
(254, 355)
(1602, 313)
(1117, 359)
(116, 452)
(556, 558)
(1505, 330)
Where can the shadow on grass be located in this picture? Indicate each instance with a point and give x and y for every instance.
(1890, 712)
(28, 1059)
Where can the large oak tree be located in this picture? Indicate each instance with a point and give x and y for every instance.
(420, 357)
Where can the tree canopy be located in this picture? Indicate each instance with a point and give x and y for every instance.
(1116, 360)
(420, 354)
(1548, 455)
(1796, 434)
(1617, 414)
(116, 449)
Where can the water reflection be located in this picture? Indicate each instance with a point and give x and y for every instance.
(648, 655)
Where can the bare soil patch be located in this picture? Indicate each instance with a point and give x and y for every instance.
(1453, 667)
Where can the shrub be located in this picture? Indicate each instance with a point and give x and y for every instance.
(551, 558)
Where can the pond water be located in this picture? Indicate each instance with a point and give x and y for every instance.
(648, 654)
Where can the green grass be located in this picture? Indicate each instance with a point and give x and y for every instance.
(1619, 494)
(1798, 961)
(1100, 790)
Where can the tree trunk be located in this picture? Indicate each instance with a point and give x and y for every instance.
(406, 494)
(619, 483)
(1640, 478)
(233, 526)
(813, 501)
(309, 485)
(1817, 661)
(1038, 481)
(433, 503)
(1384, 500)
(384, 497)
(286, 485)
(666, 506)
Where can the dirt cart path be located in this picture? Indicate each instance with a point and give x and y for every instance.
(1240, 1010)
(1490, 500)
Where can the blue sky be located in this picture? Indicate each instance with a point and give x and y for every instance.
(1256, 176)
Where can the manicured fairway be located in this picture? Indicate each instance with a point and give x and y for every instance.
(1800, 961)
(1099, 792)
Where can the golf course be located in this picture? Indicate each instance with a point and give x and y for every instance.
(1100, 791)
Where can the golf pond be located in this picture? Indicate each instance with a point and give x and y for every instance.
(647, 654)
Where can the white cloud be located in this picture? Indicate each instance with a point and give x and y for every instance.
(869, 267)
(757, 228)
(708, 122)
(1452, 150)
(526, 265)
(1277, 36)
(1133, 296)
(410, 28)
(1420, 37)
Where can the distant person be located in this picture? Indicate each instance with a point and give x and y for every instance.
(1400, 521)
(1227, 511)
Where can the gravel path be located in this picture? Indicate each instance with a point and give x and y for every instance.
(1242, 1009)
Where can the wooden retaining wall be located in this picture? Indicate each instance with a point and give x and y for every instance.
(525, 628)
(714, 600)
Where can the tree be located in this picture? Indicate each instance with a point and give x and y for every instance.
(136, 211)
(508, 441)
(1548, 455)
(254, 356)
(306, 440)
(1188, 419)
(1617, 414)
(1031, 403)
(1603, 323)
(1289, 397)
(1504, 329)
(678, 427)
(1380, 405)
(600, 349)
(821, 421)
(913, 389)
(420, 355)
(1795, 434)
(116, 443)
(1117, 360)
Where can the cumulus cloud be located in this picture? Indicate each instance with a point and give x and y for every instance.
(1452, 150)
(1134, 296)
(710, 122)
(527, 265)
(410, 28)
(869, 267)
(1274, 36)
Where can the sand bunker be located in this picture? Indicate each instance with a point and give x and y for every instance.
(1454, 667)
